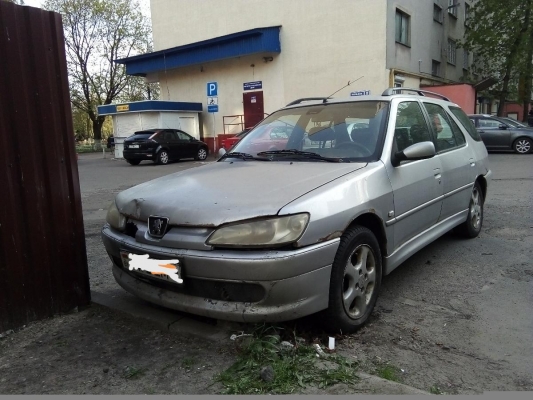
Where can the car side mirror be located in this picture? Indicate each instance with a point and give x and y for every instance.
(417, 151)
(502, 126)
(221, 152)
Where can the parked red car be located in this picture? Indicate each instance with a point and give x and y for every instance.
(269, 138)
(228, 143)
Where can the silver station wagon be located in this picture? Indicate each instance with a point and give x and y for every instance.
(311, 222)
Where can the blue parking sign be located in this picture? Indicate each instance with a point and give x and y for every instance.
(212, 89)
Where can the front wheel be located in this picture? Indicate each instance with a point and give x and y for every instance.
(202, 154)
(355, 280)
(472, 226)
(522, 145)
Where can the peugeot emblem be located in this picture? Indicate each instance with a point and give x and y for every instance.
(157, 226)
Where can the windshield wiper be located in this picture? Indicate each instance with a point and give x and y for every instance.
(301, 154)
(242, 156)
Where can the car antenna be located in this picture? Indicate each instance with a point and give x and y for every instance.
(349, 83)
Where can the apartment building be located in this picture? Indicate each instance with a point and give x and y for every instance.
(247, 58)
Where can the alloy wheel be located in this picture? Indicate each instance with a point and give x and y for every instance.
(475, 209)
(523, 146)
(202, 154)
(359, 281)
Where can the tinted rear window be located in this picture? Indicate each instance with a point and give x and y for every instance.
(466, 122)
(142, 135)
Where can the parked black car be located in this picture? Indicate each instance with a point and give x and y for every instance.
(162, 146)
(499, 134)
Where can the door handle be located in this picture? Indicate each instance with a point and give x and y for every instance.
(436, 173)
(472, 162)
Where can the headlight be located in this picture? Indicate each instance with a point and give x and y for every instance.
(114, 218)
(266, 232)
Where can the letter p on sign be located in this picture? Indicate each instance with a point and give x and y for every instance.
(212, 89)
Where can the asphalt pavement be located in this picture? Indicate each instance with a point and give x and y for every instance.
(475, 296)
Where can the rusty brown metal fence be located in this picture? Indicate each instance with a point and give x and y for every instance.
(43, 261)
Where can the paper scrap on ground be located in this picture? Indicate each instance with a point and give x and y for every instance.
(155, 267)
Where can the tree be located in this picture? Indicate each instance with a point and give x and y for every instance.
(97, 32)
(500, 34)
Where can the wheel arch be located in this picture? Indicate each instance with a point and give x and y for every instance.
(376, 225)
(483, 183)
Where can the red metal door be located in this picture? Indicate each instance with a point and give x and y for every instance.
(253, 108)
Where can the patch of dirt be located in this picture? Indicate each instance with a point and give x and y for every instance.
(99, 351)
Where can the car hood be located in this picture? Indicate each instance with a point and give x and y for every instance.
(222, 192)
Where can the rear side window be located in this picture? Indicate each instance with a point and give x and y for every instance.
(448, 136)
(466, 122)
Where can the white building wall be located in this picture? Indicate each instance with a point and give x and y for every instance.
(324, 44)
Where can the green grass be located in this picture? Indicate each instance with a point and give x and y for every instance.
(388, 372)
(435, 390)
(293, 369)
(187, 363)
(88, 148)
(133, 373)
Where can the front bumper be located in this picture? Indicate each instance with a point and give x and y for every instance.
(243, 286)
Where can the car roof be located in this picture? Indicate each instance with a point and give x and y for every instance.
(384, 97)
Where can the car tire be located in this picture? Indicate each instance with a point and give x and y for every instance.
(357, 265)
(474, 221)
(162, 157)
(522, 145)
(201, 154)
(133, 162)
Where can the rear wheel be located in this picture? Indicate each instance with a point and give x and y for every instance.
(162, 157)
(134, 162)
(522, 145)
(472, 226)
(355, 280)
(202, 154)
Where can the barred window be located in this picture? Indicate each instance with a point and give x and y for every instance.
(452, 50)
(466, 55)
(453, 5)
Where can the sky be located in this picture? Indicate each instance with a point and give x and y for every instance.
(145, 5)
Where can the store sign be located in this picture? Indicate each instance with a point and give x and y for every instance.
(123, 107)
(252, 85)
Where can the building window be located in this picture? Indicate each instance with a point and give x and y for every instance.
(466, 55)
(435, 68)
(437, 13)
(402, 27)
(467, 13)
(452, 50)
(453, 5)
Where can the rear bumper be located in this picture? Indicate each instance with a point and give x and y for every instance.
(139, 155)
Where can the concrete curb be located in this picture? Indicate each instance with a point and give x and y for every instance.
(169, 320)
(377, 385)
(174, 321)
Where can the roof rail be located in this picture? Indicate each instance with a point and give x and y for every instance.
(324, 99)
(391, 91)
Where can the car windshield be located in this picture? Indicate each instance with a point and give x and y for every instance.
(513, 123)
(341, 132)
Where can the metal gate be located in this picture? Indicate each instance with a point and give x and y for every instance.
(43, 262)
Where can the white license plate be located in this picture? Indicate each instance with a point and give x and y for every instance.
(133, 146)
(167, 270)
